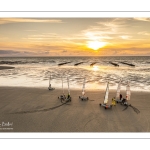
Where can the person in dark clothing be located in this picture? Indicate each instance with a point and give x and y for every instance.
(68, 96)
(120, 96)
(124, 101)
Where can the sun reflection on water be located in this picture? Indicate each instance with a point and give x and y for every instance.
(95, 68)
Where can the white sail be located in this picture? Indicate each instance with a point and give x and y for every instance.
(50, 79)
(83, 89)
(106, 94)
(62, 84)
(118, 90)
(128, 92)
(68, 86)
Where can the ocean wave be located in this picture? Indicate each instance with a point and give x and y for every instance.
(36, 72)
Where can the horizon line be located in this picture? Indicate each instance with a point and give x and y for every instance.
(81, 56)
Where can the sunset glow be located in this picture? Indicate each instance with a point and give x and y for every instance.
(74, 37)
(96, 45)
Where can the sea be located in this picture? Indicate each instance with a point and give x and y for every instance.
(36, 72)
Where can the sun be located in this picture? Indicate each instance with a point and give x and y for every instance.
(96, 44)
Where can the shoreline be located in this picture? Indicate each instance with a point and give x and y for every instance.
(72, 89)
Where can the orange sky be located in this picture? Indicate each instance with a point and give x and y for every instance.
(74, 36)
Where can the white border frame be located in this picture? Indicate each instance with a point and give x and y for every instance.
(73, 14)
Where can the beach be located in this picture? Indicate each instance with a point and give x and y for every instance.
(24, 109)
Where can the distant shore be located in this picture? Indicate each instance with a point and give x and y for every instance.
(31, 110)
(6, 67)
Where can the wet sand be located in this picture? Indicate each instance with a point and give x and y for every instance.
(30, 110)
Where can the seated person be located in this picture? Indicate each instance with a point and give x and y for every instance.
(124, 101)
(113, 101)
(68, 96)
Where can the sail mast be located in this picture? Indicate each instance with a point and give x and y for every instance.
(83, 88)
(50, 79)
(62, 84)
(118, 90)
(128, 92)
(68, 86)
(106, 93)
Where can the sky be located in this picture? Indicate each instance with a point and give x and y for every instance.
(74, 37)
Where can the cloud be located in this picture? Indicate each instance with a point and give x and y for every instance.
(125, 37)
(64, 51)
(114, 24)
(44, 36)
(19, 20)
(129, 51)
(115, 30)
(8, 52)
(3, 38)
(143, 33)
(142, 19)
(30, 30)
(107, 30)
(21, 53)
